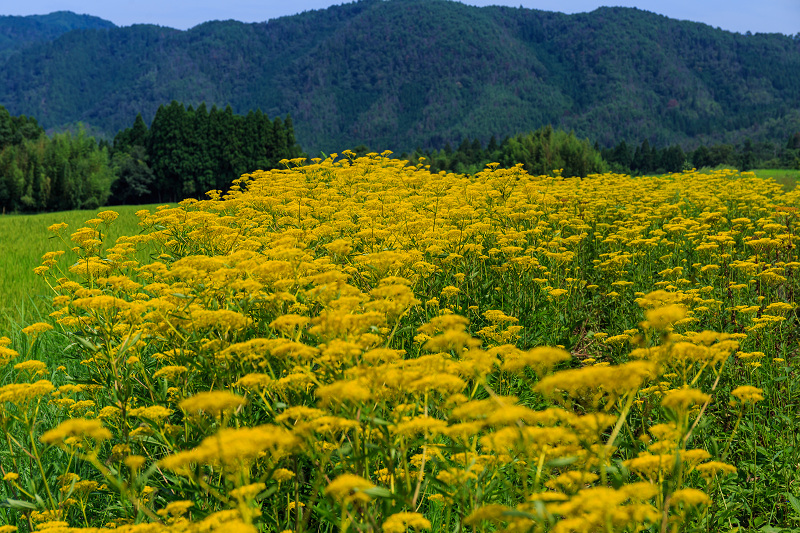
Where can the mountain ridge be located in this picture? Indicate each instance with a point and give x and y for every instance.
(407, 73)
(18, 32)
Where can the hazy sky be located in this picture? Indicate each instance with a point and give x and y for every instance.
(775, 16)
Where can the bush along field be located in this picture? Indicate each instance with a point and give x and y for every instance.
(357, 344)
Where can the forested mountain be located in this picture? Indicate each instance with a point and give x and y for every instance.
(17, 33)
(400, 74)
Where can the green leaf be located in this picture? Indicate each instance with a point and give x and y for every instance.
(377, 421)
(560, 462)
(86, 343)
(127, 344)
(378, 492)
(16, 504)
(794, 502)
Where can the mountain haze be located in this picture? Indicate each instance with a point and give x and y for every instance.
(404, 73)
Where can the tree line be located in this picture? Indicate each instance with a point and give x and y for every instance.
(546, 149)
(41, 173)
(647, 159)
(540, 152)
(185, 152)
(188, 151)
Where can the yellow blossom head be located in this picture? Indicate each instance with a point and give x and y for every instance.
(347, 488)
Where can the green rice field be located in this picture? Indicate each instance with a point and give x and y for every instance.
(23, 241)
(786, 177)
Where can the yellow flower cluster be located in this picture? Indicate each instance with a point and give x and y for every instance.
(374, 339)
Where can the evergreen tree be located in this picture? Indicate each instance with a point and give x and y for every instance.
(672, 159)
(701, 157)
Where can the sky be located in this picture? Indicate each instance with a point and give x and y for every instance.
(766, 16)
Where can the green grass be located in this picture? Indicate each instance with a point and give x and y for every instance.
(786, 177)
(23, 241)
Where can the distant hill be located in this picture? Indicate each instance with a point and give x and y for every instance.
(399, 74)
(17, 33)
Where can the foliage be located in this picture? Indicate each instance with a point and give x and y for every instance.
(67, 171)
(544, 152)
(188, 151)
(14, 130)
(422, 73)
(360, 344)
(184, 152)
(546, 149)
(744, 156)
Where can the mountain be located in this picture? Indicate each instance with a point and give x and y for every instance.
(17, 33)
(404, 73)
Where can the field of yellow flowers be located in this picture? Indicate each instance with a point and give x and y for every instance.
(357, 344)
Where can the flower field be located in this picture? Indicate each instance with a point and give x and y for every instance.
(357, 344)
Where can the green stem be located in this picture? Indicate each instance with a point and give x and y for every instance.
(753, 502)
(730, 437)
(610, 443)
(41, 470)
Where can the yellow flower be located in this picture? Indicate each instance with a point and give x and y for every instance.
(663, 317)
(214, 403)
(282, 474)
(289, 323)
(400, 522)
(343, 391)
(498, 317)
(134, 462)
(176, 508)
(102, 302)
(450, 291)
(748, 394)
(340, 247)
(32, 368)
(57, 228)
(6, 355)
(76, 427)
(109, 411)
(36, 328)
(682, 399)
(617, 339)
(294, 505)
(156, 413)
(22, 393)
(232, 448)
(713, 468)
(492, 512)
(419, 424)
(689, 497)
(347, 488)
(614, 380)
(541, 359)
(107, 216)
(248, 492)
(170, 371)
